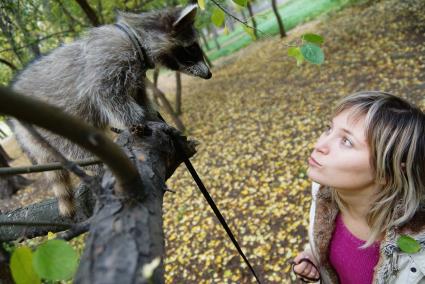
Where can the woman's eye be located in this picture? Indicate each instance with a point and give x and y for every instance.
(328, 129)
(347, 142)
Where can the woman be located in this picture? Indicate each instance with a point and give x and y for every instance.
(369, 194)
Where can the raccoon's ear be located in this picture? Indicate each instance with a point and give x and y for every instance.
(186, 17)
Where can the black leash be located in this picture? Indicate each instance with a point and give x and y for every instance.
(217, 212)
(148, 64)
(212, 204)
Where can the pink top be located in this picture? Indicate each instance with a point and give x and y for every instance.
(353, 264)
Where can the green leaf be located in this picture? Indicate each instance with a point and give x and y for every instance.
(313, 38)
(408, 244)
(296, 53)
(201, 4)
(250, 32)
(217, 17)
(55, 260)
(312, 53)
(242, 3)
(21, 267)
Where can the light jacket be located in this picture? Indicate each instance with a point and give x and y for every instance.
(394, 265)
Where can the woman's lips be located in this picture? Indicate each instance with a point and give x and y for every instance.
(313, 162)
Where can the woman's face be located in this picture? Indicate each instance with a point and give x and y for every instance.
(340, 158)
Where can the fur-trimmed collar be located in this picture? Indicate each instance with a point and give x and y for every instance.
(324, 225)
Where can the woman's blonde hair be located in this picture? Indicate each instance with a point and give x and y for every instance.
(395, 131)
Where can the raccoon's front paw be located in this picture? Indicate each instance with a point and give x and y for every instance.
(150, 127)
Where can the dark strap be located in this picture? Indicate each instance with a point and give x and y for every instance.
(141, 52)
(211, 202)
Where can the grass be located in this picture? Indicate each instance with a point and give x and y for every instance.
(292, 13)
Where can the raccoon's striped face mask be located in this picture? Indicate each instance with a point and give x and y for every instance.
(187, 59)
(186, 56)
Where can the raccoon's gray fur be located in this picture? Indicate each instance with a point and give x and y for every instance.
(99, 79)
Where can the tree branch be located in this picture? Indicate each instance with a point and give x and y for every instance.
(166, 104)
(126, 234)
(44, 168)
(11, 65)
(88, 137)
(45, 213)
(90, 13)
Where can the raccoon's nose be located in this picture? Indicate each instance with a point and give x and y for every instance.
(209, 75)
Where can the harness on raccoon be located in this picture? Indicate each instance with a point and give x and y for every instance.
(148, 64)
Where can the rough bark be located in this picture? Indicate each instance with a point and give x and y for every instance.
(126, 233)
(279, 19)
(126, 230)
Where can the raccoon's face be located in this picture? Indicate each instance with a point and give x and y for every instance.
(187, 59)
(171, 39)
(185, 54)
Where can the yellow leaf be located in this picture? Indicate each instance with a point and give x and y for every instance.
(201, 4)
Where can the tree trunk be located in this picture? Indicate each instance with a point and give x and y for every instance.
(279, 19)
(251, 14)
(10, 184)
(90, 13)
(207, 60)
(215, 37)
(178, 94)
(126, 233)
(204, 40)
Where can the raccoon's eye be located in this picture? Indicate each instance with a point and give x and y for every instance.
(191, 48)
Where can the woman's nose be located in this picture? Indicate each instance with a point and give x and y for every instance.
(322, 146)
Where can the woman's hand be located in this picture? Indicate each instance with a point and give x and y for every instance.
(303, 266)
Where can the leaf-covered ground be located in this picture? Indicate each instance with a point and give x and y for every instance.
(257, 120)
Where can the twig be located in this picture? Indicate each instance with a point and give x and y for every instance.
(239, 20)
(35, 224)
(75, 230)
(45, 167)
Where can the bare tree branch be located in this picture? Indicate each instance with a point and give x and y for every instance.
(44, 168)
(45, 212)
(52, 118)
(36, 41)
(166, 104)
(11, 65)
(90, 13)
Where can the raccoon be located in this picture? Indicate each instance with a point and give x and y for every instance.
(100, 79)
